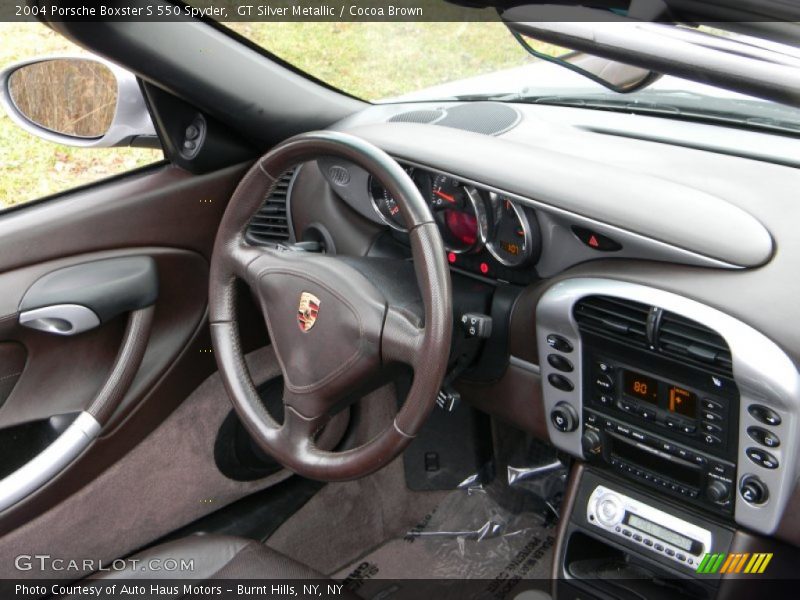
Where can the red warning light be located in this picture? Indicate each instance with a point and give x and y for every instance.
(593, 242)
(451, 257)
(484, 268)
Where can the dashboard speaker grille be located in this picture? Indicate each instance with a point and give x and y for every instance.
(271, 223)
(487, 118)
(418, 116)
(666, 333)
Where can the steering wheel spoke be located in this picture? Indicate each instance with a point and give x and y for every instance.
(402, 338)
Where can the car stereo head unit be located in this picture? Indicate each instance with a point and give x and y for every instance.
(657, 532)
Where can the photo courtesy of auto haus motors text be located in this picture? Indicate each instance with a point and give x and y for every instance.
(452, 299)
(154, 590)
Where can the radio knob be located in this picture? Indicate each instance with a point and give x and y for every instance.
(718, 492)
(609, 510)
(591, 442)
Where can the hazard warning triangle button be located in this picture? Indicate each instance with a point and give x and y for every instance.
(596, 241)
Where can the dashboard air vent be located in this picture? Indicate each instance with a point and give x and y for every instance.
(616, 318)
(690, 342)
(271, 223)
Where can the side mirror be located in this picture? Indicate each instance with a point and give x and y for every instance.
(77, 101)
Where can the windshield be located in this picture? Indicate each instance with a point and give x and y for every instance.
(418, 61)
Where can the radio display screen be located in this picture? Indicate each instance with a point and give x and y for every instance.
(641, 386)
(682, 402)
(662, 533)
(678, 400)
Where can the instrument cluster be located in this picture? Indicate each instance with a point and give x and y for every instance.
(474, 223)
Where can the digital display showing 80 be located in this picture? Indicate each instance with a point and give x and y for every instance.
(678, 400)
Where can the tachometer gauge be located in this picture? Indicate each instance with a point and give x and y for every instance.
(460, 213)
(511, 242)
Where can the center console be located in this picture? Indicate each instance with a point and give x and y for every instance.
(685, 423)
(672, 395)
(670, 427)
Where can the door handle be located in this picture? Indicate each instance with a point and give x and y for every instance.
(75, 299)
(60, 319)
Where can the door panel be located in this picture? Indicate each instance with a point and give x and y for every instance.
(164, 213)
(12, 362)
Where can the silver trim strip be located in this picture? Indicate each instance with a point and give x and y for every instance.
(46, 465)
(524, 365)
(763, 373)
(60, 319)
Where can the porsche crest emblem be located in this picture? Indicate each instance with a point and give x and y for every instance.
(307, 311)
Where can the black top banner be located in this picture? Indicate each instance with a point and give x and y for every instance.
(707, 11)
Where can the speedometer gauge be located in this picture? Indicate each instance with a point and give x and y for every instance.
(511, 242)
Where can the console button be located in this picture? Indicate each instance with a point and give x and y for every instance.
(669, 552)
(709, 404)
(762, 458)
(604, 367)
(560, 363)
(605, 400)
(647, 413)
(560, 382)
(648, 542)
(753, 490)
(564, 417)
(626, 532)
(711, 428)
(681, 557)
(711, 440)
(625, 405)
(687, 429)
(659, 547)
(596, 241)
(604, 382)
(711, 417)
(637, 537)
(764, 437)
(556, 342)
(764, 415)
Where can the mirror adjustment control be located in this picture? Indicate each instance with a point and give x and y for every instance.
(564, 418)
(762, 458)
(753, 490)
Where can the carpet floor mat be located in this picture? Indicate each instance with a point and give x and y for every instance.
(479, 542)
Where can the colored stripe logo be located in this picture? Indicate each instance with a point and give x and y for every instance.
(753, 564)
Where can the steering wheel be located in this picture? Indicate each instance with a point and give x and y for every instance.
(335, 322)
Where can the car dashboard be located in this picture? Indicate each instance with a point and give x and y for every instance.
(641, 288)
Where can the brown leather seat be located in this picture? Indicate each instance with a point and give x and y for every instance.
(211, 557)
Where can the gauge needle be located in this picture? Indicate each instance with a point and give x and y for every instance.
(444, 196)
